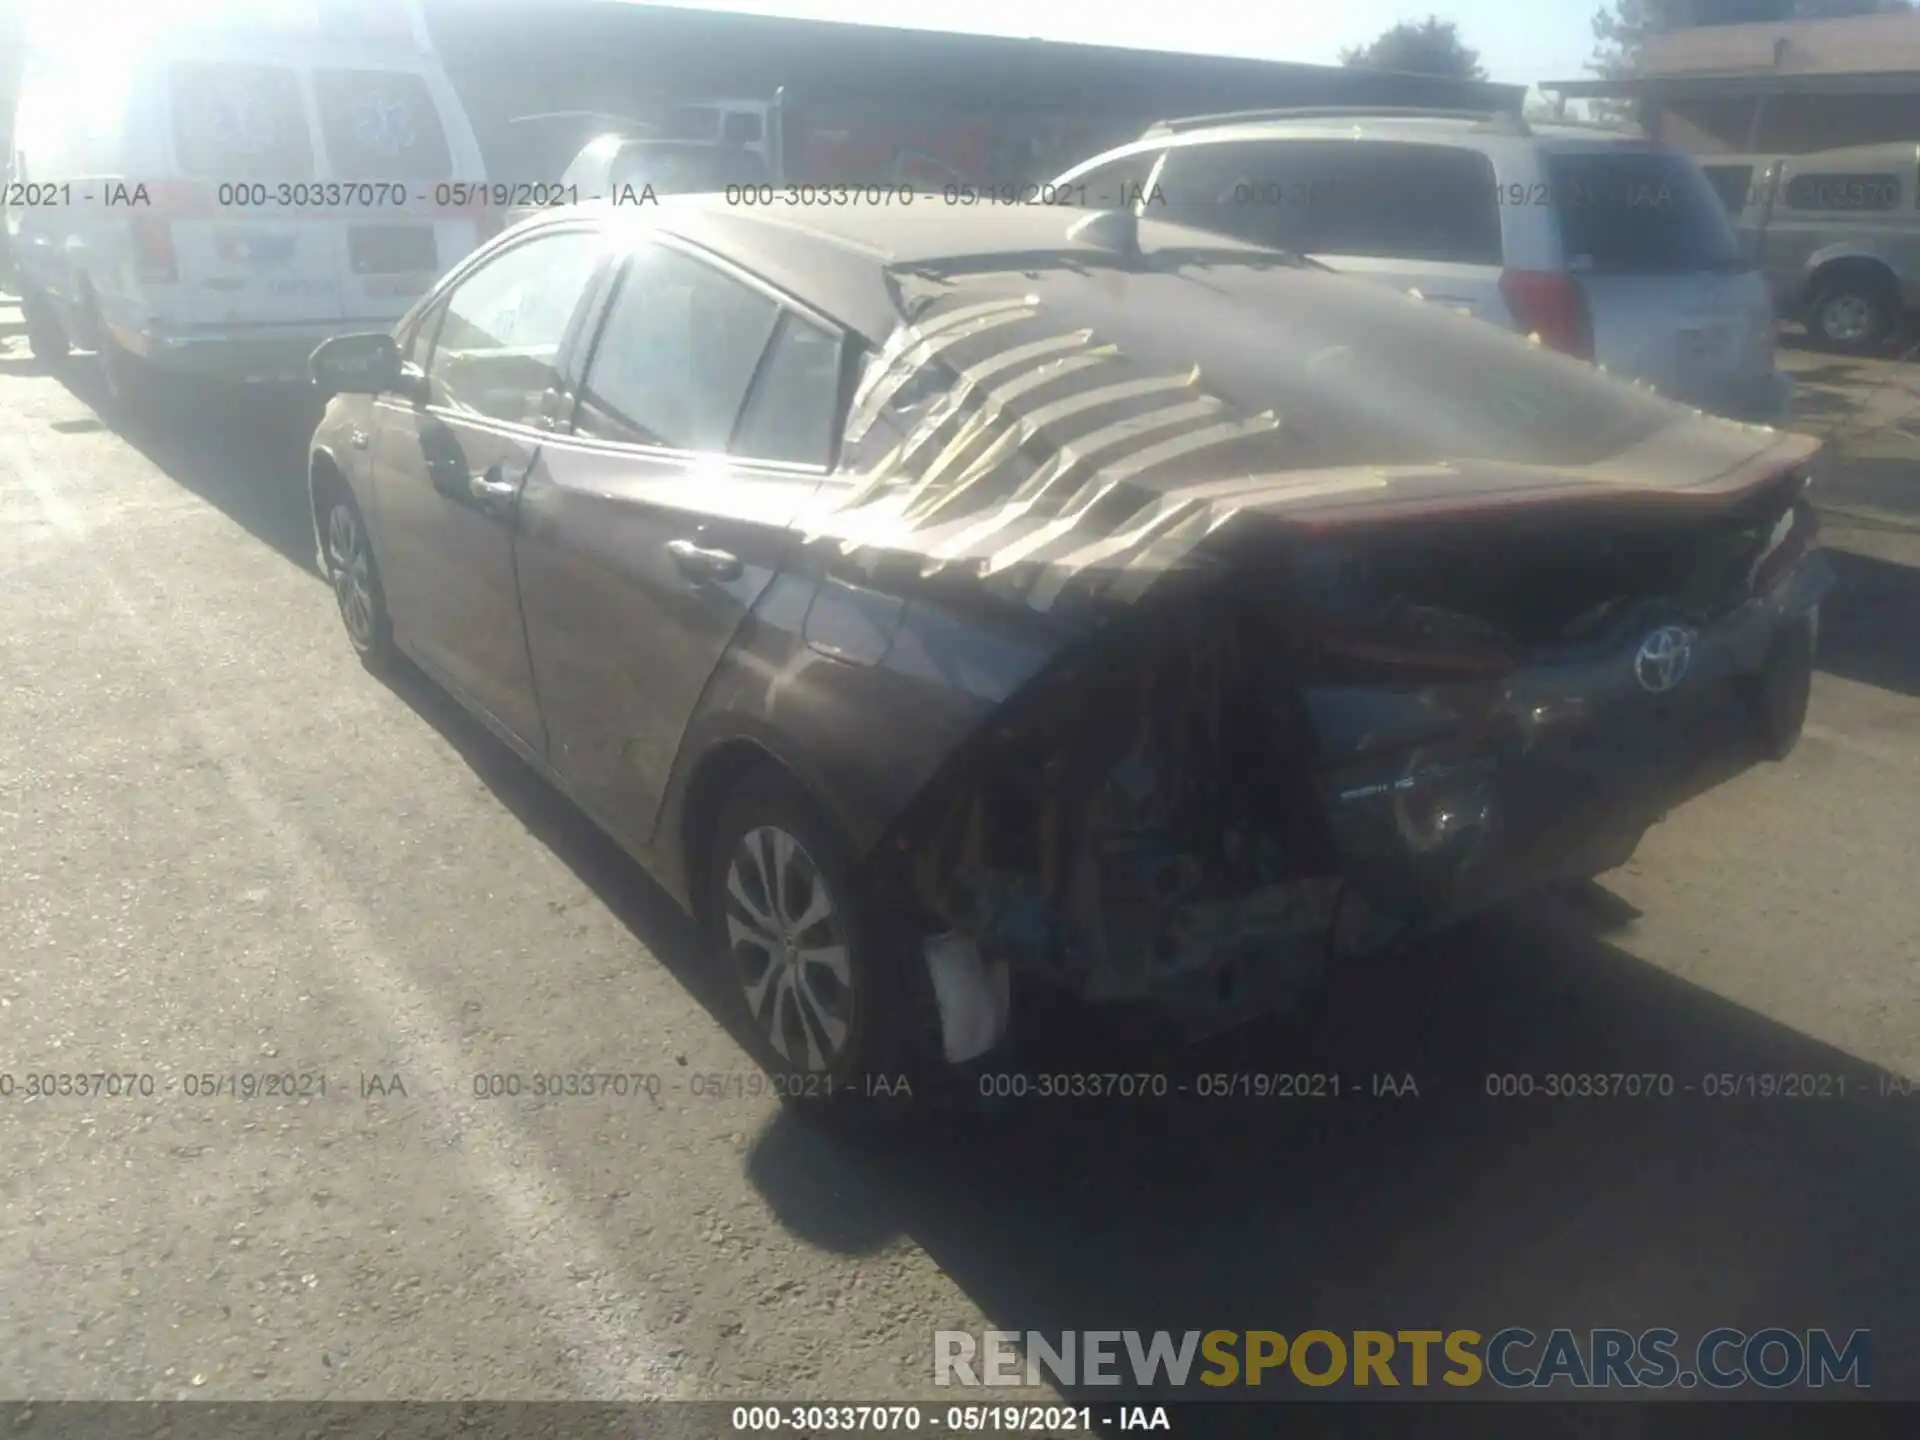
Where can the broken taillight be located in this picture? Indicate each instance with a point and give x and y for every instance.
(153, 253)
(1551, 305)
(1789, 543)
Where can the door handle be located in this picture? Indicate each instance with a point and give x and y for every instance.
(493, 490)
(698, 564)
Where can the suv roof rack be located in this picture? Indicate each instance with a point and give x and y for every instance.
(1509, 120)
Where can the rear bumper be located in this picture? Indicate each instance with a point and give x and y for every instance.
(1573, 765)
(246, 354)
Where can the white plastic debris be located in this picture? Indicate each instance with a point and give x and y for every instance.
(974, 997)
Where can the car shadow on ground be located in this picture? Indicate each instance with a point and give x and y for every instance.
(243, 452)
(1403, 1194)
(1870, 621)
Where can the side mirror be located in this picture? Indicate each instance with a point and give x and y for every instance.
(357, 365)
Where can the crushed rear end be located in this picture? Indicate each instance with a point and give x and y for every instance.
(1297, 712)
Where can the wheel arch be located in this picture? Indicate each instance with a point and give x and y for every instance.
(1848, 265)
(720, 770)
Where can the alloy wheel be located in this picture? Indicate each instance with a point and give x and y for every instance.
(1846, 318)
(350, 567)
(788, 940)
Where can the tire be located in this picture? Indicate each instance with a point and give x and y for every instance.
(838, 1032)
(47, 338)
(1780, 695)
(355, 578)
(125, 382)
(1852, 314)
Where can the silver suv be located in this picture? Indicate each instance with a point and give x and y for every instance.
(1611, 248)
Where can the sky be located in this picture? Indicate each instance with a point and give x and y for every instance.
(1520, 41)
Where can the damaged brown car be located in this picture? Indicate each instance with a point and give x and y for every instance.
(941, 602)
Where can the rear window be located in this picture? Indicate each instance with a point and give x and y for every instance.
(381, 125)
(1640, 212)
(240, 120)
(1392, 201)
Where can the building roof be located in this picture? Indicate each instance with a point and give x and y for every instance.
(748, 54)
(1861, 52)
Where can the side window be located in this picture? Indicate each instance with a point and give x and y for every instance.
(1114, 186)
(1843, 192)
(499, 343)
(795, 398)
(675, 355)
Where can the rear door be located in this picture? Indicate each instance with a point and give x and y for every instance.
(240, 131)
(1674, 299)
(704, 425)
(1413, 216)
(385, 142)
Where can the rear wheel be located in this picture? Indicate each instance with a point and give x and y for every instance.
(46, 337)
(1853, 312)
(829, 992)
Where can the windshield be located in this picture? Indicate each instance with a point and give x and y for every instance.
(685, 169)
(1640, 212)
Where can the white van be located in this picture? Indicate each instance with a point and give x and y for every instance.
(214, 188)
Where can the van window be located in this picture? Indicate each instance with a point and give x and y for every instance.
(381, 125)
(240, 120)
(1640, 212)
(1398, 201)
(1731, 183)
(1843, 192)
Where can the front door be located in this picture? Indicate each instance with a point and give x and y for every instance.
(448, 471)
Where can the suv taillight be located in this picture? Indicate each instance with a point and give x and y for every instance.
(153, 248)
(1551, 305)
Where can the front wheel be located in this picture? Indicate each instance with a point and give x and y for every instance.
(356, 583)
(47, 338)
(828, 990)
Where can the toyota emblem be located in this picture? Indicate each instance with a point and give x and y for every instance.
(1663, 659)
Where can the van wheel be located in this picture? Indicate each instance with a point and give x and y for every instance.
(46, 337)
(1852, 313)
(827, 989)
(121, 375)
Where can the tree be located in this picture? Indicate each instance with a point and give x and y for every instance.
(1624, 27)
(1429, 47)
